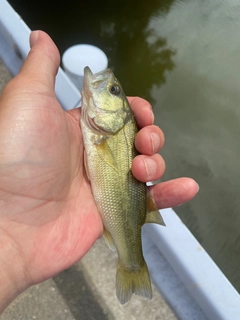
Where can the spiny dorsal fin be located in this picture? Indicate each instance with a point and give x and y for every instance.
(153, 215)
(109, 240)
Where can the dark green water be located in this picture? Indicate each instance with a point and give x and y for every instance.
(183, 56)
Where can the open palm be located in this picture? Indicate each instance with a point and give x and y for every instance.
(47, 212)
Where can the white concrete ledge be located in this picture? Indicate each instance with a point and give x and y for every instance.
(194, 269)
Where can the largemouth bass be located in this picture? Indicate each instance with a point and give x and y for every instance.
(109, 129)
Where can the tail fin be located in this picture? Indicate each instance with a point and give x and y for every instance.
(129, 281)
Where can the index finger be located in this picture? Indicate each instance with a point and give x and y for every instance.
(142, 111)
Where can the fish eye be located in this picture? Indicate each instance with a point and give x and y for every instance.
(115, 89)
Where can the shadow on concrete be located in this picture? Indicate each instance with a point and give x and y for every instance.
(78, 296)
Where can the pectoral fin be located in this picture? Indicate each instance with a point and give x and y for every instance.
(86, 165)
(153, 215)
(105, 153)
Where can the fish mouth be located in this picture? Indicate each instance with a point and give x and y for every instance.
(87, 77)
(92, 84)
(95, 80)
(87, 72)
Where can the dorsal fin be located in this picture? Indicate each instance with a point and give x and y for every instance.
(153, 214)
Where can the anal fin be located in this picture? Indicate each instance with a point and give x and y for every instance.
(109, 240)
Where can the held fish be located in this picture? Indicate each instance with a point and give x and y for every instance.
(109, 129)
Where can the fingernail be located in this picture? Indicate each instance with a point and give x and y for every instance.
(33, 38)
(155, 141)
(150, 166)
(152, 116)
(198, 187)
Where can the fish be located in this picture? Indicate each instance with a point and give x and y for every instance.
(109, 128)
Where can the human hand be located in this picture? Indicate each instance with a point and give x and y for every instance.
(48, 218)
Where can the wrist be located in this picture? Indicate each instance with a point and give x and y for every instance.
(12, 272)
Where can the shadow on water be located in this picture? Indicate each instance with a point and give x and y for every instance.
(137, 62)
(121, 33)
(79, 298)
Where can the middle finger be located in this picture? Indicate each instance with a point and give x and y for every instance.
(149, 140)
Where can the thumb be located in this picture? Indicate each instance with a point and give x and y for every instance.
(34, 85)
(42, 62)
